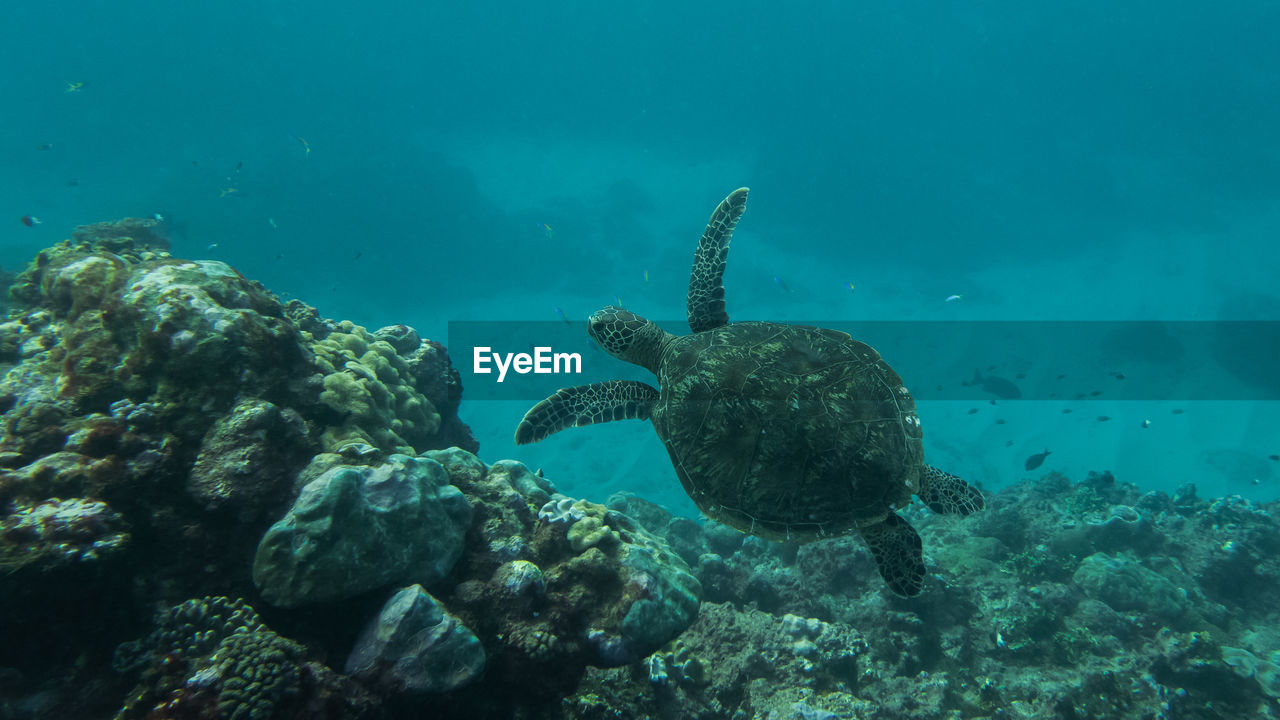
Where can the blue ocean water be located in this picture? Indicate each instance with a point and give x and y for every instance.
(497, 161)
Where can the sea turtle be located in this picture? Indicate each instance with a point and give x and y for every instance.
(787, 432)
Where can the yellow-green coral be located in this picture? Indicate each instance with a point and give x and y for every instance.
(372, 387)
(587, 533)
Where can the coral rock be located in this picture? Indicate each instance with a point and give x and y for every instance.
(415, 646)
(354, 529)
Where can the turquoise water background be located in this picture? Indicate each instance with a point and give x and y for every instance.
(497, 161)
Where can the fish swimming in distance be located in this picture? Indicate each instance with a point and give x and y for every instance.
(1036, 460)
(997, 386)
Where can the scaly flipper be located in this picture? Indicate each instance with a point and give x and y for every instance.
(946, 493)
(898, 552)
(587, 405)
(706, 287)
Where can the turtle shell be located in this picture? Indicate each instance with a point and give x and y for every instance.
(787, 432)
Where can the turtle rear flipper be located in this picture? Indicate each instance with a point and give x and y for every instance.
(587, 405)
(898, 552)
(706, 286)
(946, 493)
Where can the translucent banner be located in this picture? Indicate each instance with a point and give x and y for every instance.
(996, 361)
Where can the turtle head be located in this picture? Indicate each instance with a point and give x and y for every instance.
(627, 336)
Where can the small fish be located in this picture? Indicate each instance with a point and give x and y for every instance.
(211, 246)
(850, 286)
(306, 146)
(1146, 424)
(1036, 460)
(1274, 457)
(1177, 411)
(239, 166)
(778, 281)
(546, 230)
(1008, 443)
(157, 217)
(72, 183)
(1066, 411)
(1020, 376)
(29, 220)
(75, 86)
(973, 411)
(646, 276)
(1062, 377)
(272, 223)
(564, 317)
(617, 301)
(358, 254)
(228, 191)
(999, 421)
(1095, 393)
(1103, 418)
(45, 146)
(953, 298)
(1118, 376)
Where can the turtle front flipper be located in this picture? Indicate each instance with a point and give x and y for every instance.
(897, 549)
(587, 405)
(946, 493)
(706, 286)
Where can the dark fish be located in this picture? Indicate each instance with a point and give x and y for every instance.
(997, 386)
(1095, 393)
(1273, 457)
(1177, 411)
(1119, 376)
(358, 254)
(29, 220)
(1066, 411)
(1020, 376)
(1008, 443)
(1103, 418)
(1062, 377)
(973, 411)
(999, 421)
(72, 183)
(1036, 460)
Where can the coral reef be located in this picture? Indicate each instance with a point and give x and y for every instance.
(154, 416)
(213, 657)
(173, 436)
(1063, 600)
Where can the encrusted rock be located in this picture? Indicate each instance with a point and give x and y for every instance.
(415, 646)
(354, 529)
(247, 458)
